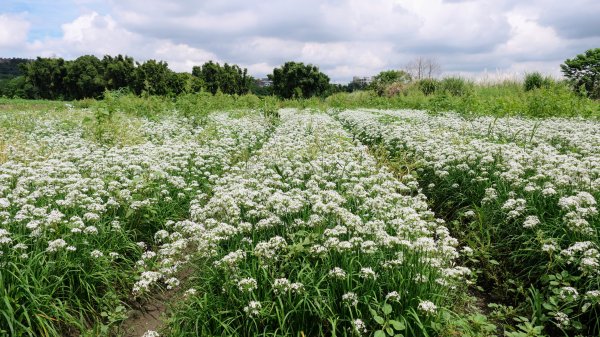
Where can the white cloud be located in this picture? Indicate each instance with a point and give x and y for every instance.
(14, 30)
(343, 37)
(182, 57)
(101, 34)
(529, 40)
(98, 34)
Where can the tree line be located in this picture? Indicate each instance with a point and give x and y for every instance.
(89, 77)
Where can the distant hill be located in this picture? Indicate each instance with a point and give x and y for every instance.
(9, 67)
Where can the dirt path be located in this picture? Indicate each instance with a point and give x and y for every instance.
(148, 317)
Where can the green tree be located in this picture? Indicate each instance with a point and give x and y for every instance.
(234, 80)
(356, 86)
(16, 87)
(45, 76)
(583, 71)
(118, 71)
(229, 79)
(297, 80)
(84, 78)
(152, 78)
(11, 67)
(180, 83)
(388, 77)
(210, 73)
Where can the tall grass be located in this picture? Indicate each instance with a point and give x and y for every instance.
(499, 99)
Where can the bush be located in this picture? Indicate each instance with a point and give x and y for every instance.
(455, 86)
(395, 89)
(535, 80)
(428, 86)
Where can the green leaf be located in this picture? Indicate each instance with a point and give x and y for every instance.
(387, 309)
(389, 331)
(397, 325)
(379, 319)
(379, 333)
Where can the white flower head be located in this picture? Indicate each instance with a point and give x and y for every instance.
(350, 298)
(96, 254)
(427, 307)
(337, 273)
(253, 308)
(247, 285)
(151, 333)
(359, 326)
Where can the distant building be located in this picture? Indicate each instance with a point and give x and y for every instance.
(363, 81)
(264, 82)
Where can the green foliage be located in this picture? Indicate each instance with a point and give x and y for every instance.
(428, 85)
(387, 78)
(11, 67)
(16, 87)
(89, 77)
(455, 86)
(583, 72)
(502, 99)
(152, 78)
(297, 80)
(84, 78)
(260, 90)
(387, 326)
(535, 80)
(118, 71)
(46, 76)
(228, 79)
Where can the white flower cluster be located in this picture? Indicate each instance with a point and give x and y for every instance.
(522, 165)
(247, 285)
(311, 178)
(283, 285)
(427, 307)
(53, 172)
(151, 333)
(359, 327)
(4, 237)
(350, 298)
(522, 153)
(253, 308)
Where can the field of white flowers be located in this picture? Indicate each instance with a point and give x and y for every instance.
(353, 223)
(78, 217)
(521, 193)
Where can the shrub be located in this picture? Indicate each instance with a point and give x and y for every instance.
(394, 89)
(428, 86)
(455, 86)
(535, 80)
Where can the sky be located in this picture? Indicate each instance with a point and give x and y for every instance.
(483, 39)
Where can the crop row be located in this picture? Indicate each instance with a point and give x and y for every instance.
(76, 215)
(521, 193)
(309, 236)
